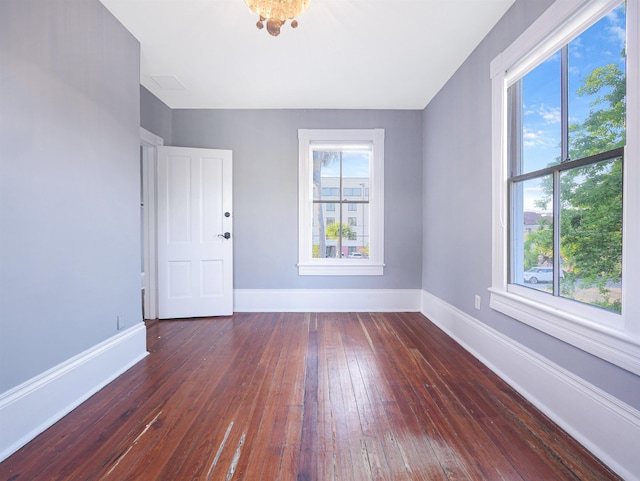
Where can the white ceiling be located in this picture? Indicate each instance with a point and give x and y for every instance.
(345, 54)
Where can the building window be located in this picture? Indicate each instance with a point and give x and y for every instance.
(330, 206)
(351, 162)
(563, 164)
(330, 192)
(352, 192)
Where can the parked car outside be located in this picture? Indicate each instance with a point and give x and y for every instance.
(539, 274)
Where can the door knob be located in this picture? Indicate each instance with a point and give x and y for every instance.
(226, 235)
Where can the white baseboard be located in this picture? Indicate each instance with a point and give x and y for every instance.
(606, 426)
(327, 300)
(30, 408)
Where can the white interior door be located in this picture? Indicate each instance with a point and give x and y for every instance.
(195, 246)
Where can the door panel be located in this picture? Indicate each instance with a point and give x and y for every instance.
(195, 261)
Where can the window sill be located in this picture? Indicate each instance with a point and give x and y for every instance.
(341, 269)
(604, 342)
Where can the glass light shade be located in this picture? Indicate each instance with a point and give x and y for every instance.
(277, 12)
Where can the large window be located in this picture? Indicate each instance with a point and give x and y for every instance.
(350, 162)
(566, 158)
(566, 178)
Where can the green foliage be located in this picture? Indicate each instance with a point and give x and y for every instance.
(591, 221)
(539, 244)
(604, 128)
(333, 231)
(591, 196)
(337, 233)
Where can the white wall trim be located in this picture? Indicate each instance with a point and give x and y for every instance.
(327, 300)
(149, 144)
(373, 265)
(33, 406)
(606, 426)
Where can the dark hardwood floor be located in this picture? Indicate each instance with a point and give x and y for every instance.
(304, 397)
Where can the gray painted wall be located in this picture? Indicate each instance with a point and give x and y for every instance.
(69, 183)
(265, 190)
(155, 116)
(457, 205)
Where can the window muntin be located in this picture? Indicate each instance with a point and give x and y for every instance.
(350, 162)
(566, 130)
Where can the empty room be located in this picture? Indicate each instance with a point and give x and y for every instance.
(319, 240)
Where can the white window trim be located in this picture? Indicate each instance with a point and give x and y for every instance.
(374, 264)
(617, 339)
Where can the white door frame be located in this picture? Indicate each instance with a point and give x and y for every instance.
(148, 149)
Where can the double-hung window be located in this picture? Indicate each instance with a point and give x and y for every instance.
(566, 176)
(341, 202)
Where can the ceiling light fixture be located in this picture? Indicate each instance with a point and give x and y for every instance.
(276, 12)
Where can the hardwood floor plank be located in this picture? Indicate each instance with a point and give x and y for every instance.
(270, 413)
(308, 457)
(326, 438)
(228, 402)
(405, 459)
(434, 447)
(347, 450)
(305, 397)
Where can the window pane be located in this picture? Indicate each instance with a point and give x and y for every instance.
(336, 237)
(591, 234)
(334, 240)
(532, 233)
(355, 174)
(540, 117)
(597, 87)
(355, 230)
(326, 175)
(318, 243)
(333, 170)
